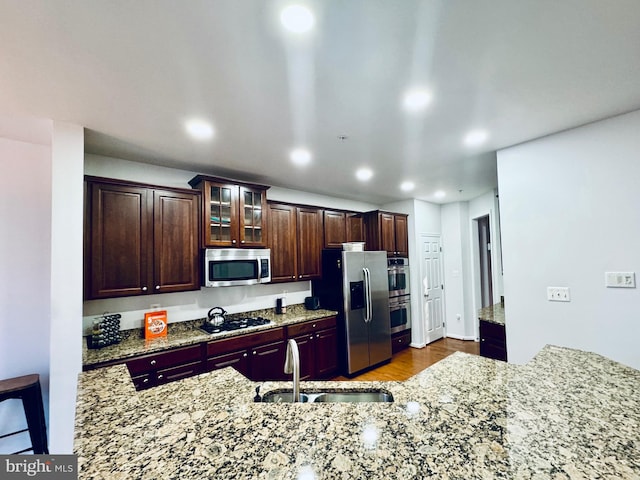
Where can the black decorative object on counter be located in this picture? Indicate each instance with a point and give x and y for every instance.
(106, 331)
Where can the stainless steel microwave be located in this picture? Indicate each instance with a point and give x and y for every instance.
(226, 267)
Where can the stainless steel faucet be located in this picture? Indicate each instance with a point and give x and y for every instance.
(292, 365)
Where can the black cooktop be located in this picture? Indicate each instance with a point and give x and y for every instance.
(235, 324)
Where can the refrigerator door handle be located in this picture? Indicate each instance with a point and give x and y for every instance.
(367, 294)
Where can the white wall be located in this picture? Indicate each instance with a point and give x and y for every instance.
(25, 256)
(456, 270)
(110, 167)
(570, 205)
(481, 206)
(66, 281)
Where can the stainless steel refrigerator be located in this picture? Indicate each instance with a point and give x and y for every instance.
(356, 285)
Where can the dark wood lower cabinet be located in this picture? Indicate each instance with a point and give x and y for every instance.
(307, 356)
(258, 356)
(160, 368)
(267, 362)
(400, 340)
(317, 344)
(238, 360)
(493, 341)
(326, 353)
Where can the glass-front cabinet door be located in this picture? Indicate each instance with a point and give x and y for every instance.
(221, 204)
(233, 213)
(252, 208)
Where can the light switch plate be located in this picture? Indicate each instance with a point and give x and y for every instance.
(558, 294)
(620, 279)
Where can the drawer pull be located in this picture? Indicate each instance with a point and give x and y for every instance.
(152, 362)
(244, 354)
(160, 377)
(146, 380)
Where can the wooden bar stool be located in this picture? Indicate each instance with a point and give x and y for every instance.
(27, 388)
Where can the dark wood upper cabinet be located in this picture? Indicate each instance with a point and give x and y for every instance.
(401, 235)
(295, 240)
(120, 252)
(283, 242)
(341, 227)
(355, 227)
(309, 233)
(387, 231)
(335, 229)
(232, 212)
(175, 241)
(140, 239)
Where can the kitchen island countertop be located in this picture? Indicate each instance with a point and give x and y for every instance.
(182, 334)
(566, 414)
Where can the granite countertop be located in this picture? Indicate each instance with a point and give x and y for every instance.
(189, 333)
(567, 414)
(493, 314)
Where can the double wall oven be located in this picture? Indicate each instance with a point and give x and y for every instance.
(399, 294)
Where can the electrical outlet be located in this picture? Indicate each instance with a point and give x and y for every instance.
(558, 294)
(620, 279)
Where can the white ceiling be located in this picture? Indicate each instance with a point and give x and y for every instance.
(132, 71)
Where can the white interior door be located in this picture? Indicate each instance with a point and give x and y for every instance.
(431, 286)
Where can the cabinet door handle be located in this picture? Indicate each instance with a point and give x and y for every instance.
(255, 353)
(314, 325)
(233, 241)
(317, 335)
(144, 289)
(482, 339)
(300, 276)
(160, 377)
(241, 241)
(146, 380)
(152, 362)
(245, 354)
(293, 277)
(157, 287)
(311, 337)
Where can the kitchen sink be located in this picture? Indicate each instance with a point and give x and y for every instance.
(349, 396)
(283, 396)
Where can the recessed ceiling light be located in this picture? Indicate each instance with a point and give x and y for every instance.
(300, 156)
(297, 19)
(440, 194)
(199, 129)
(476, 138)
(407, 186)
(416, 99)
(364, 174)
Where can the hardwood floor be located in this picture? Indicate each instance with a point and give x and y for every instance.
(410, 361)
